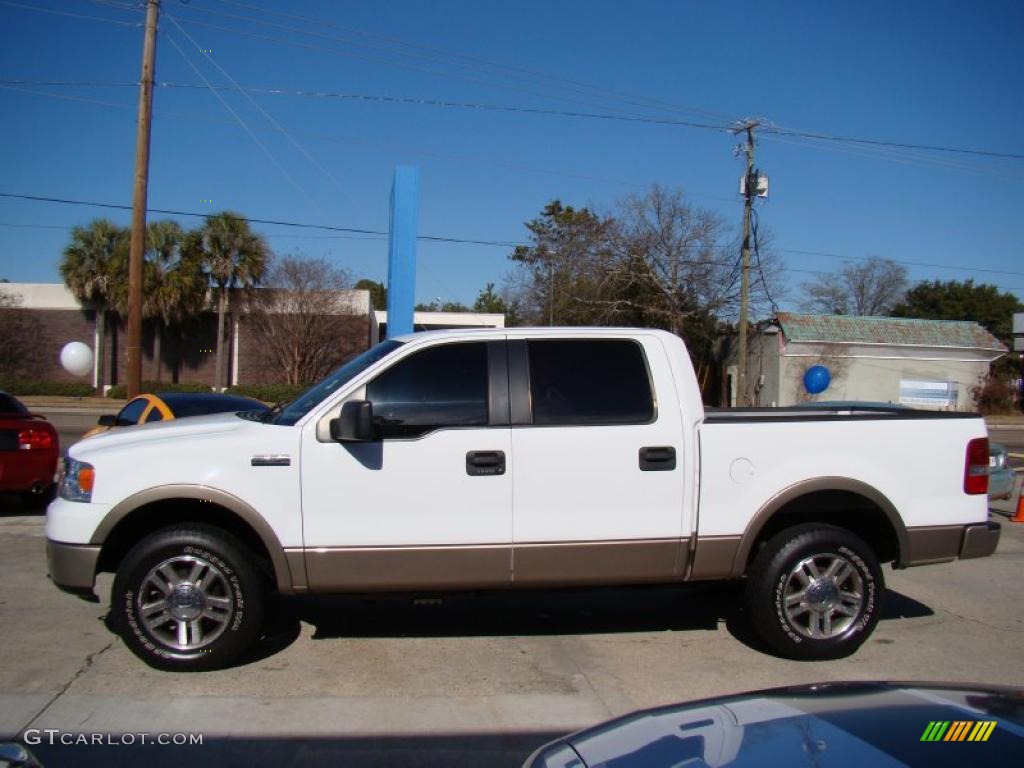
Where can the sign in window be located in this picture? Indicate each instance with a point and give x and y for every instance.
(933, 394)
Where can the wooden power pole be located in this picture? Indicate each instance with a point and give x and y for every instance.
(749, 191)
(138, 241)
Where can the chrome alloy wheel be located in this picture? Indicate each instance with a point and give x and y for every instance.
(185, 603)
(823, 596)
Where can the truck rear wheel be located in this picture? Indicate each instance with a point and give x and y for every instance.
(188, 598)
(815, 592)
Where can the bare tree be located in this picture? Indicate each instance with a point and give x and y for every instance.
(871, 287)
(672, 259)
(657, 261)
(21, 348)
(302, 318)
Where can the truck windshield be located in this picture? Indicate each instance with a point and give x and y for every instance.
(303, 404)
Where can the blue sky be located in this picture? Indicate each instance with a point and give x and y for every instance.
(940, 73)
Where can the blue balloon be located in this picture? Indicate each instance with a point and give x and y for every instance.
(816, 379)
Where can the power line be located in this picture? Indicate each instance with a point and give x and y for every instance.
(55, 12)
(67, 227)
(890, 143)
(757, 257)
(251, 220)
(245, 126)
(533, 73)
(498, 243)
(420, 101)
(75, 83)
(424, 101)
(899, 261)
(348, 54)
(270, 118)
(446, 57)
(494, 243)
(596, 90)
(338, 139)
(903, 157)
(777, 130)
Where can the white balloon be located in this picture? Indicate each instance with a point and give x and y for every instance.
(76, 358)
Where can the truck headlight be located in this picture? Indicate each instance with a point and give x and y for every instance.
(77, 480)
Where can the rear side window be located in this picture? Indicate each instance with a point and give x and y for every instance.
(582, 381)
(444, 386)
(154, 415)
(131, 413)
(9, 405)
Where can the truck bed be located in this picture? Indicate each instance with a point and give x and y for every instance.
(828, 413)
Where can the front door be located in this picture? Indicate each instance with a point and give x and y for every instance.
(429, 504)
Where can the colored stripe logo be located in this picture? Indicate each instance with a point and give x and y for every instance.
(958, 730)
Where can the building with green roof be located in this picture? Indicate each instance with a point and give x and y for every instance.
(917, 363)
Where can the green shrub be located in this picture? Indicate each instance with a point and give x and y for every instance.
(119, 391)
(19, 386)
(270, 393)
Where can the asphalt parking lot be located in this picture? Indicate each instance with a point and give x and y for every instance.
(474, 680)
(470, 680)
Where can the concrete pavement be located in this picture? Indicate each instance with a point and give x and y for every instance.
(475, 680)
(472, 680)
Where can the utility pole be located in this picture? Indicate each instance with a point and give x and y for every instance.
(749, 190)
(138, 242)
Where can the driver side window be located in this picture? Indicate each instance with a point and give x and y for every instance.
(440, 387)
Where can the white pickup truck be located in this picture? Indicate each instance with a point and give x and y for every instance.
(514, 458)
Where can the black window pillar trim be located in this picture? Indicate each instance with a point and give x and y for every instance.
(497, 384)
(519, 382)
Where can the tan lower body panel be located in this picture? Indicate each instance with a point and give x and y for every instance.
(934, 544)
(296, 559)
(715, 556)
(599, 562)
(397, 569)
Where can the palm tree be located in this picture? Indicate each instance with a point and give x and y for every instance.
(176, 285)
(89, 269)
(232, 256)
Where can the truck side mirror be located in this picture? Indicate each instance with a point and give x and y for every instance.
(355, 425)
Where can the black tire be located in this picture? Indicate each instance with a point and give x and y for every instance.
(197, 576)
(37, 498)
(799, 609)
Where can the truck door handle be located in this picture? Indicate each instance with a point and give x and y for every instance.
(657, 458)
(483, 463)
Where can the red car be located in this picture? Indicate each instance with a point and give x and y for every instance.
(28, 452)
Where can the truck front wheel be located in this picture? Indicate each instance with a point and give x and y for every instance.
(815, 592)
(188, 598)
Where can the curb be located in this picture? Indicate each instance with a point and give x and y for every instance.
(82, 403)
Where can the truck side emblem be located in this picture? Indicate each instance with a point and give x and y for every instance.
(272, 461)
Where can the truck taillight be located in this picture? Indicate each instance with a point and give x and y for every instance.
(34, 439)
(976, 466)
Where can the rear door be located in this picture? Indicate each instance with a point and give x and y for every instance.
(598, 469)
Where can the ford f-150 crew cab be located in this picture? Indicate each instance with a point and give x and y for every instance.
(514, 458)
